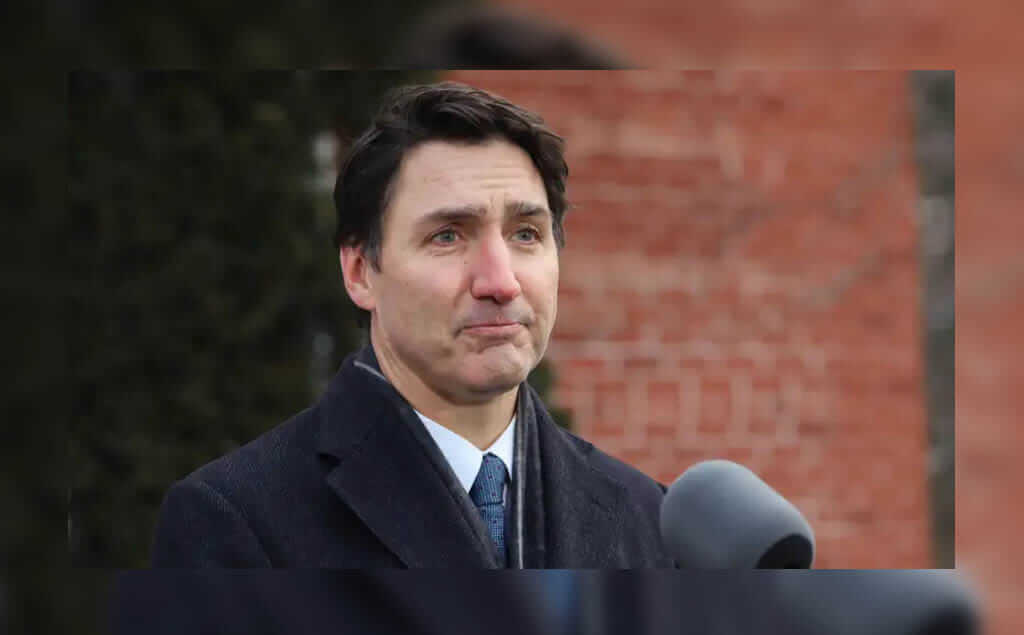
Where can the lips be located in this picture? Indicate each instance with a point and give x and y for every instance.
(493, 329)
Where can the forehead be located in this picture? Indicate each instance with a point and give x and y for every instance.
(446, 174)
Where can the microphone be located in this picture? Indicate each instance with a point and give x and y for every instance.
(720, 515)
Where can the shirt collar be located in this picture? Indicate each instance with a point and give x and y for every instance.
(464, 457)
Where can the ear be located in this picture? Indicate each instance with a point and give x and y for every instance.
(356, 271)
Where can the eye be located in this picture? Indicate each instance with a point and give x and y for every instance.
(530, 233)
(444, 237)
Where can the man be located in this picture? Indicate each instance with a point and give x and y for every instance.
(429, 449)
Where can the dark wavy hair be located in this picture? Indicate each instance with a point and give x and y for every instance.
(446, 111)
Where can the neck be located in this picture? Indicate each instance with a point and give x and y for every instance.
(479, 423)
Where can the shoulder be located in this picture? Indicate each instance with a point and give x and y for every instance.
(218, 515)
(264, 462)
(631, 501)
(641, 489)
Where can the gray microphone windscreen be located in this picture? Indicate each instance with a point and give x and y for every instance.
(719, 515)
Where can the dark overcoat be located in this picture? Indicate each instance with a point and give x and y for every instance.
(356, 481)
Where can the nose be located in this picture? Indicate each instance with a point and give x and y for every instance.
(492, 273)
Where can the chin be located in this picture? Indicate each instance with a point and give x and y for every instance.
(491, 381)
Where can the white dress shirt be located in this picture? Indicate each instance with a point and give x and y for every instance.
(464, 457)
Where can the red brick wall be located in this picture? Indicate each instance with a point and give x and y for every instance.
(789, 34)
(741, 280)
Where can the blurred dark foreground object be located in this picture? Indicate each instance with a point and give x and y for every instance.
(903, 602)
(779, 602)
(500, 38)
(424, 602)
(226, 602)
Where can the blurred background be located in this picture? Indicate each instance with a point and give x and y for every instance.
(559, 35)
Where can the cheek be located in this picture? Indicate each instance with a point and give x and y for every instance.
(427, 296)
(541, 289)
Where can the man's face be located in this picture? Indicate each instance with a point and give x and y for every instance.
(467, 292)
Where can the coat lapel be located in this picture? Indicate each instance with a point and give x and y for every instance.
(392, 476)
(581, 508)
(389, 472)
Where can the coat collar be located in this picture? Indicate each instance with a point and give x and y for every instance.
(583, 508)
(391, 474)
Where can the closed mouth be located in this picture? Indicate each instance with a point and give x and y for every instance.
(503, 329)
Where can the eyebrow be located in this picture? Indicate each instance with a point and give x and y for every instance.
(518, 209)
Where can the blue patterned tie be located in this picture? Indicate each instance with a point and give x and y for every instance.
(488, 494)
